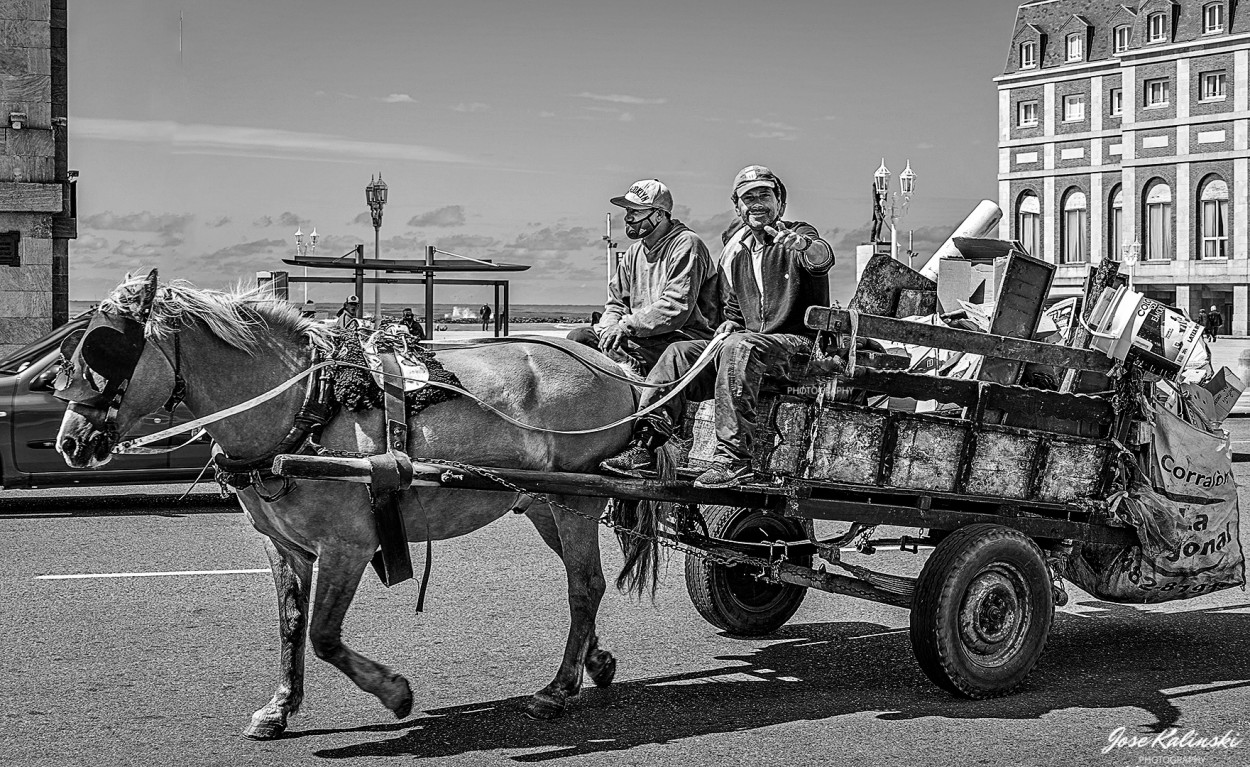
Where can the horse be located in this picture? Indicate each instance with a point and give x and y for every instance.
(228, 347)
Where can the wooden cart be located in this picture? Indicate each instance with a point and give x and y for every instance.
(1003, 504)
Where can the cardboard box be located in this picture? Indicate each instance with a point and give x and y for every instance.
(1225, 388)
(963, 279)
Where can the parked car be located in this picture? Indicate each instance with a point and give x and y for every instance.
(30, 417)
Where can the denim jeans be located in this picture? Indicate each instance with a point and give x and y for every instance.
(733, 380)
(641, 352)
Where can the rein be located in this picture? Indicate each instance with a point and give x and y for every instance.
(704, 359)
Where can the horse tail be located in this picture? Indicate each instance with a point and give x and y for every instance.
(639, 541)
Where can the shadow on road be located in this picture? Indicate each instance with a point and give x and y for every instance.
(132, 504)
(1115, 657)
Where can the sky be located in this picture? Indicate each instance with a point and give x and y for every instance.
(206, 131)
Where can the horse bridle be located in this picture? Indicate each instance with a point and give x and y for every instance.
(110, 348)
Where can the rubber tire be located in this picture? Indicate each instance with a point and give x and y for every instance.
(997, 554)
(729, 597)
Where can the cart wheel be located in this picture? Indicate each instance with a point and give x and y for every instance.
(730, 597)
(982, 611)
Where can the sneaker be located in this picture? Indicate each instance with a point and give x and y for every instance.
(726, 474)
(632, 463)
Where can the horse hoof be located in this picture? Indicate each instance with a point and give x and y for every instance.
(601, 668)
(545, 706)
(265, 729)
(404, 707)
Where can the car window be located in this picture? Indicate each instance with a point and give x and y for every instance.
(16, 362)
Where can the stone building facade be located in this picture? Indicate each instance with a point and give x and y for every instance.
(1123, 132)
(37, 199)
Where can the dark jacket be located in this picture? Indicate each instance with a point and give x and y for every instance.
(790, 284)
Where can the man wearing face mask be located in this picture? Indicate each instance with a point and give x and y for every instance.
(771, 271)
(665, 288)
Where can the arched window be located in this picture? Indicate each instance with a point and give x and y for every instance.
(1156, 28)
(1028, 54)
(1075, 228)
(1212, 18)
(1159, 222)
(1115, 225)
(1213, 219)
(1123, 35)
(1075, 47)
(1028, 223)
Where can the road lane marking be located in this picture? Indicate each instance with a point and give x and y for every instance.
(81, 576)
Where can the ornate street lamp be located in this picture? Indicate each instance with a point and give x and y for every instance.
(893, 206)
(303, 248)
(375, 195)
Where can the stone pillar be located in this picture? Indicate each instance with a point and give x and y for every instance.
(1183, 300)
(1241, 310)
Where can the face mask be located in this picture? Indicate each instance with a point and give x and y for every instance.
(636, 230)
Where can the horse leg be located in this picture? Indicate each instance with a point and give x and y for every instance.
(338, 575)
(600, 665)
(292, 575)
(578, 539)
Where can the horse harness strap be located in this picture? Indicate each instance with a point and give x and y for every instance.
(392, 473)
(312, 417)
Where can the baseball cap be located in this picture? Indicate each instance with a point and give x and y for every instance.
(753, 176)
(647, 193)
(353, 300)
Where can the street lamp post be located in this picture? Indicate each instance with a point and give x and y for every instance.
(375, 195)
(893, 205)
(304, 248)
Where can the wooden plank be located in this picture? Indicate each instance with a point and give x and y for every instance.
(30, 197)
(957, 391)
(880, 283)
(906, 516)
(1017, 310)
(969, 341)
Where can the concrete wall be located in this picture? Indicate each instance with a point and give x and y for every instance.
(34, 294)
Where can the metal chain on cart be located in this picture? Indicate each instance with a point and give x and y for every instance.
(668, 543)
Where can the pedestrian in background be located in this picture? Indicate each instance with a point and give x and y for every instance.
(484, 313)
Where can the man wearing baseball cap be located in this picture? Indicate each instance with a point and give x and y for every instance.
(771, 271)
(664, 289)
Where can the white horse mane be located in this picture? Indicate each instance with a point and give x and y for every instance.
(232, 316)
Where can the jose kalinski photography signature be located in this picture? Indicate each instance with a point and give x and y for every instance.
(1172, 740)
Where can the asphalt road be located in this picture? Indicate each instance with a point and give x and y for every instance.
(167, 669)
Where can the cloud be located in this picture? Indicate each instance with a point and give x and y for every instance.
(263, 222)
(365, 219)
(398, 98)
(617, 98)
(289, 219)
(546, 114)
(626, 117)
(473, 106)
(245, 250)
(772, 129)
(449, 215)
(458, 242)
(144, 221)
(239, 141)
(218, 222)
(556, 239)
(89, 243)
(926, 145)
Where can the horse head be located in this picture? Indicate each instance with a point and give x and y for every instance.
(111, 376)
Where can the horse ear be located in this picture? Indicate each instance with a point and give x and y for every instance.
(149, 294)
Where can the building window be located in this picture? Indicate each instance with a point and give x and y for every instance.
(1212, 86)
(1075, 228)
(1115, 225)
(1122, 37)
(1028, 223)
(1156, 93)
(1213, 18)
(1213, 219)
(1156, 28)
(1074, 107)
(9, 255)
(1159, 223)
(1028, 55)
(1117, 101)
(1076, 47)
(1028, 114)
